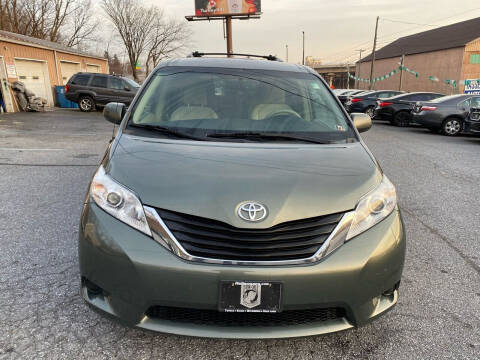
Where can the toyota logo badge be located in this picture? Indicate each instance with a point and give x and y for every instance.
(252, 211)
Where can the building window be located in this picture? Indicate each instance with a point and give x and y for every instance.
(475, 59)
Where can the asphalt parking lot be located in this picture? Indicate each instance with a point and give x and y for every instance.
(46, 161)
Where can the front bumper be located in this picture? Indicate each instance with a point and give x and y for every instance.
(357, 107)
(135, 273)
(383, 114)
(472, 127)
(427, 119)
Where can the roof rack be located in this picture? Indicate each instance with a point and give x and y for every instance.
(267, 57)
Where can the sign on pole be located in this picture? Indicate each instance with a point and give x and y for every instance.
(11, 71)
(227, 7)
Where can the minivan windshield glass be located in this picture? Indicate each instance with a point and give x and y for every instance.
(242, 105)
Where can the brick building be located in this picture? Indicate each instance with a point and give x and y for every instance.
(449, 53)
(41, 65)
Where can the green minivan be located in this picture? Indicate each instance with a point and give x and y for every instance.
(237, 200)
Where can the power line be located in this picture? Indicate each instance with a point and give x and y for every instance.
(406, 22)
(351, 49)
(416, 27)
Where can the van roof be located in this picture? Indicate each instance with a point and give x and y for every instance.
(236, 63)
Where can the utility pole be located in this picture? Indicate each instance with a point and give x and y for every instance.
(373, 54)
(401, 72)
(359, 67)
(348, 77)
(287, 52)
(303, 59)
(229, 36)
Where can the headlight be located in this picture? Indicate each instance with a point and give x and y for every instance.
(118, 201)
(373, 208)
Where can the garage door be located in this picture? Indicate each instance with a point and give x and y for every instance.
(68, 70)
(32, 74)
(93, 68)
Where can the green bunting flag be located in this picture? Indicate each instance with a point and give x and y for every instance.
(453, 83)
(357, 78)
(404, 68)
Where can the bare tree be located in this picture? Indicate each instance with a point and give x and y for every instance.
(82, 25)
(167, 38)
(12, 15)
(133, 22)
(66, 21)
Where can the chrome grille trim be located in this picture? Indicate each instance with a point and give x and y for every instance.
(165, 237)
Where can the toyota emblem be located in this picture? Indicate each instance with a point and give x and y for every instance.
(252, 211)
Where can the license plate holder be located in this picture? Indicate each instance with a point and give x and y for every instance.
(250, 297)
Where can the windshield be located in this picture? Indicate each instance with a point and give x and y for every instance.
(208, 103)
(131, 82)
(449, 97)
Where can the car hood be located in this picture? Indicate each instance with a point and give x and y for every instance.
(209, 179)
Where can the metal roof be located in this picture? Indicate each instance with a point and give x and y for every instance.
(14, 37)
(445, 37)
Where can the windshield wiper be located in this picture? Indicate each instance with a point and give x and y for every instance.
(168, 131)
(268, 136)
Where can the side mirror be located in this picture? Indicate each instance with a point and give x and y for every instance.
(362, 122)
(126, 88)
(114, 112)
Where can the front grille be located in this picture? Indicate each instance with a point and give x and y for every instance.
(215, 318)
(213, 239)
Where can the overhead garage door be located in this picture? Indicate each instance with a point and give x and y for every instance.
(32, 74)
(93, 68)
(68, 70)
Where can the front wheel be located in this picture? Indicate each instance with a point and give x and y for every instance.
(451, 127)
(401, 119)
(86, 104)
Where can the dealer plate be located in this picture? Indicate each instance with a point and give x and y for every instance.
(245, 296)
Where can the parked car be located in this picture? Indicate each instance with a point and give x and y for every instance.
(340, 91)
(229, 202)
(398, 109)
(366, 102)
(345, 96)
(91, 90)
(472, 123)
(446, 114)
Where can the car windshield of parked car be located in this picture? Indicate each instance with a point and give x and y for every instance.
(236, 105)
(362, 93)
(131, 83)
(448, 98)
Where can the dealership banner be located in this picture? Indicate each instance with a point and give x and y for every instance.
(472, 87)
(227, 7)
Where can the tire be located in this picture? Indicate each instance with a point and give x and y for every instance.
(401, 119)
(86, 103)
(452, 126)
(370, 112)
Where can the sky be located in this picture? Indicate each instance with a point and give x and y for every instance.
(334, 29)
